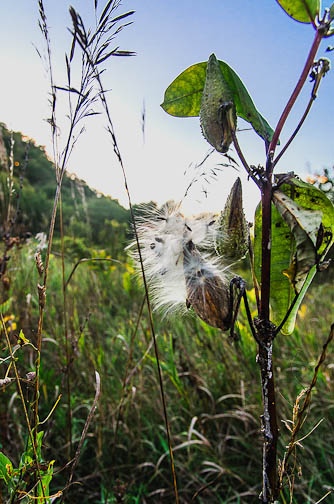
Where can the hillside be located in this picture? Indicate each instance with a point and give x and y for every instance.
(89, 217)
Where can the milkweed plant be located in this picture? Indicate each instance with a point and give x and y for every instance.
(187, 260)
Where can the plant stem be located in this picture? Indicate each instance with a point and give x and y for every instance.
(111, 131)
(269, 424)
(67, 351)
(301, 122)
(265, 329)
(30, 430)
(308, 65)
(266, 249)
(265, 332)
(305, 407)
(243, 159)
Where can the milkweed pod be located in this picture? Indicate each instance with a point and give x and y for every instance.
(217, 112)
(233, 225)
(207, 291)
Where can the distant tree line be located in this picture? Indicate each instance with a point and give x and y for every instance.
(90, 218)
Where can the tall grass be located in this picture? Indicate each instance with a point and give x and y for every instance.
(211, 388)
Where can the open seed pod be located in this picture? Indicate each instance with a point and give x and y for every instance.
(207, 290)
(234, 240)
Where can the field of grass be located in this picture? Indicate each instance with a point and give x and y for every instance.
(212, 391)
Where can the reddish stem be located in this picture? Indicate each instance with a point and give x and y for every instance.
(308, 65)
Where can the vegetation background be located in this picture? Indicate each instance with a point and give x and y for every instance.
(212, 390)
(97, 321)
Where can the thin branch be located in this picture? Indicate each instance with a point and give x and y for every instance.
(88, 259)
(308, 65)
(243, 159)
(90, 58)
(250, 320)
(31, 436)
(306, 403)
(125, 379)
(255, 282)
(85, 429)
(318, 78)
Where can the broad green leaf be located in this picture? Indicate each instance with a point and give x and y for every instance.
(301, 10)
(293, 245)
(183, 97)
(283, 248)
(5, 467)
(282, 251)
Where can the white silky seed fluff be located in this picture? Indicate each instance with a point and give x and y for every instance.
(162, 235)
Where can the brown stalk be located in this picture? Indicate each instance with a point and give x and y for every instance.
(81, 110)
(18, 383)
(265, 329)
(302, 412)
(308, 65)
(84, 432)
(80, 36)
(242, 158)
(67, 351)
(320, 74)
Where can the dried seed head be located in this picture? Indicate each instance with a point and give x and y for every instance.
(235, 230)
(39, 263)
(181, 264)
(41, 295)
(31, 375)
(207, 292)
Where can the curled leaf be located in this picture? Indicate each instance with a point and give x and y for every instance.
(304, 225)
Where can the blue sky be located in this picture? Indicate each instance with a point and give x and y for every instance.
(262, 44)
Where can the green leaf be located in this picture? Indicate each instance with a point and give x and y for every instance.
(310, 197)
(331, 12)
(5, 464)
(294, 244)
(28, 456)
(183, 97)
(46, 479)
(282, 250)
(304, 225)
(303, 11)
